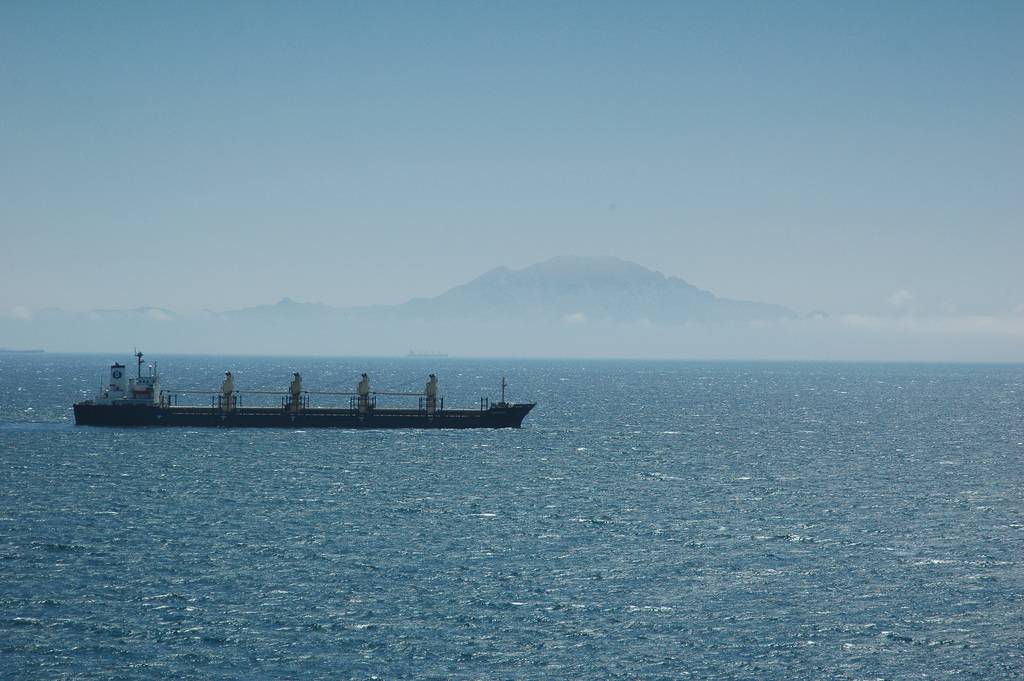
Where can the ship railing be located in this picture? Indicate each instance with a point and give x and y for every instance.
(217, 401)
(238, 397)
(425, 401)
(355, 402)
(170, 398)
(287, 402)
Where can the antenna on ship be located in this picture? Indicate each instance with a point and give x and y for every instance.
(503, 384)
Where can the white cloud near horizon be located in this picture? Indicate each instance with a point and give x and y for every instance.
(945, 324)
(901, 297)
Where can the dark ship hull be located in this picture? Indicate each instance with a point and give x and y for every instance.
(495, 416)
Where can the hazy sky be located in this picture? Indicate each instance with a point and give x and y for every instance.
(854, 156)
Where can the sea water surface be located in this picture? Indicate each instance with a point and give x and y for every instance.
(650, 520)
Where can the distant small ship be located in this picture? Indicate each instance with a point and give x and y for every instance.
(413, 353)
(139, 401)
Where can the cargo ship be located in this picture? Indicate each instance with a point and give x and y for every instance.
(139, 401)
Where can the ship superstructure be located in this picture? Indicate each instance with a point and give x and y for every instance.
(122, 389)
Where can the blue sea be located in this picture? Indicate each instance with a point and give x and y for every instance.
(651, 520)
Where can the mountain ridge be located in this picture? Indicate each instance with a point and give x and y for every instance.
(562, 288)
(589, 288)
(567, 304)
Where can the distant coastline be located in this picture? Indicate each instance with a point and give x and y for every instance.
(20, 352)
(413, 353)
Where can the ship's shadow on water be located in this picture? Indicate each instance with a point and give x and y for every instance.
(650, 520)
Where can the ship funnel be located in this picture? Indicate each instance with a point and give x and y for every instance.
(118, 383)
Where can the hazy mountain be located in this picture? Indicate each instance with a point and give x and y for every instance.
(128, 315)
(566, 305)
(566, 289)
(576, 289)
(284, 309)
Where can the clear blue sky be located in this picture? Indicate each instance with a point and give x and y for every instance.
(217, 154)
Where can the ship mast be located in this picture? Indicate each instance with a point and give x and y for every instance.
(138, 361)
